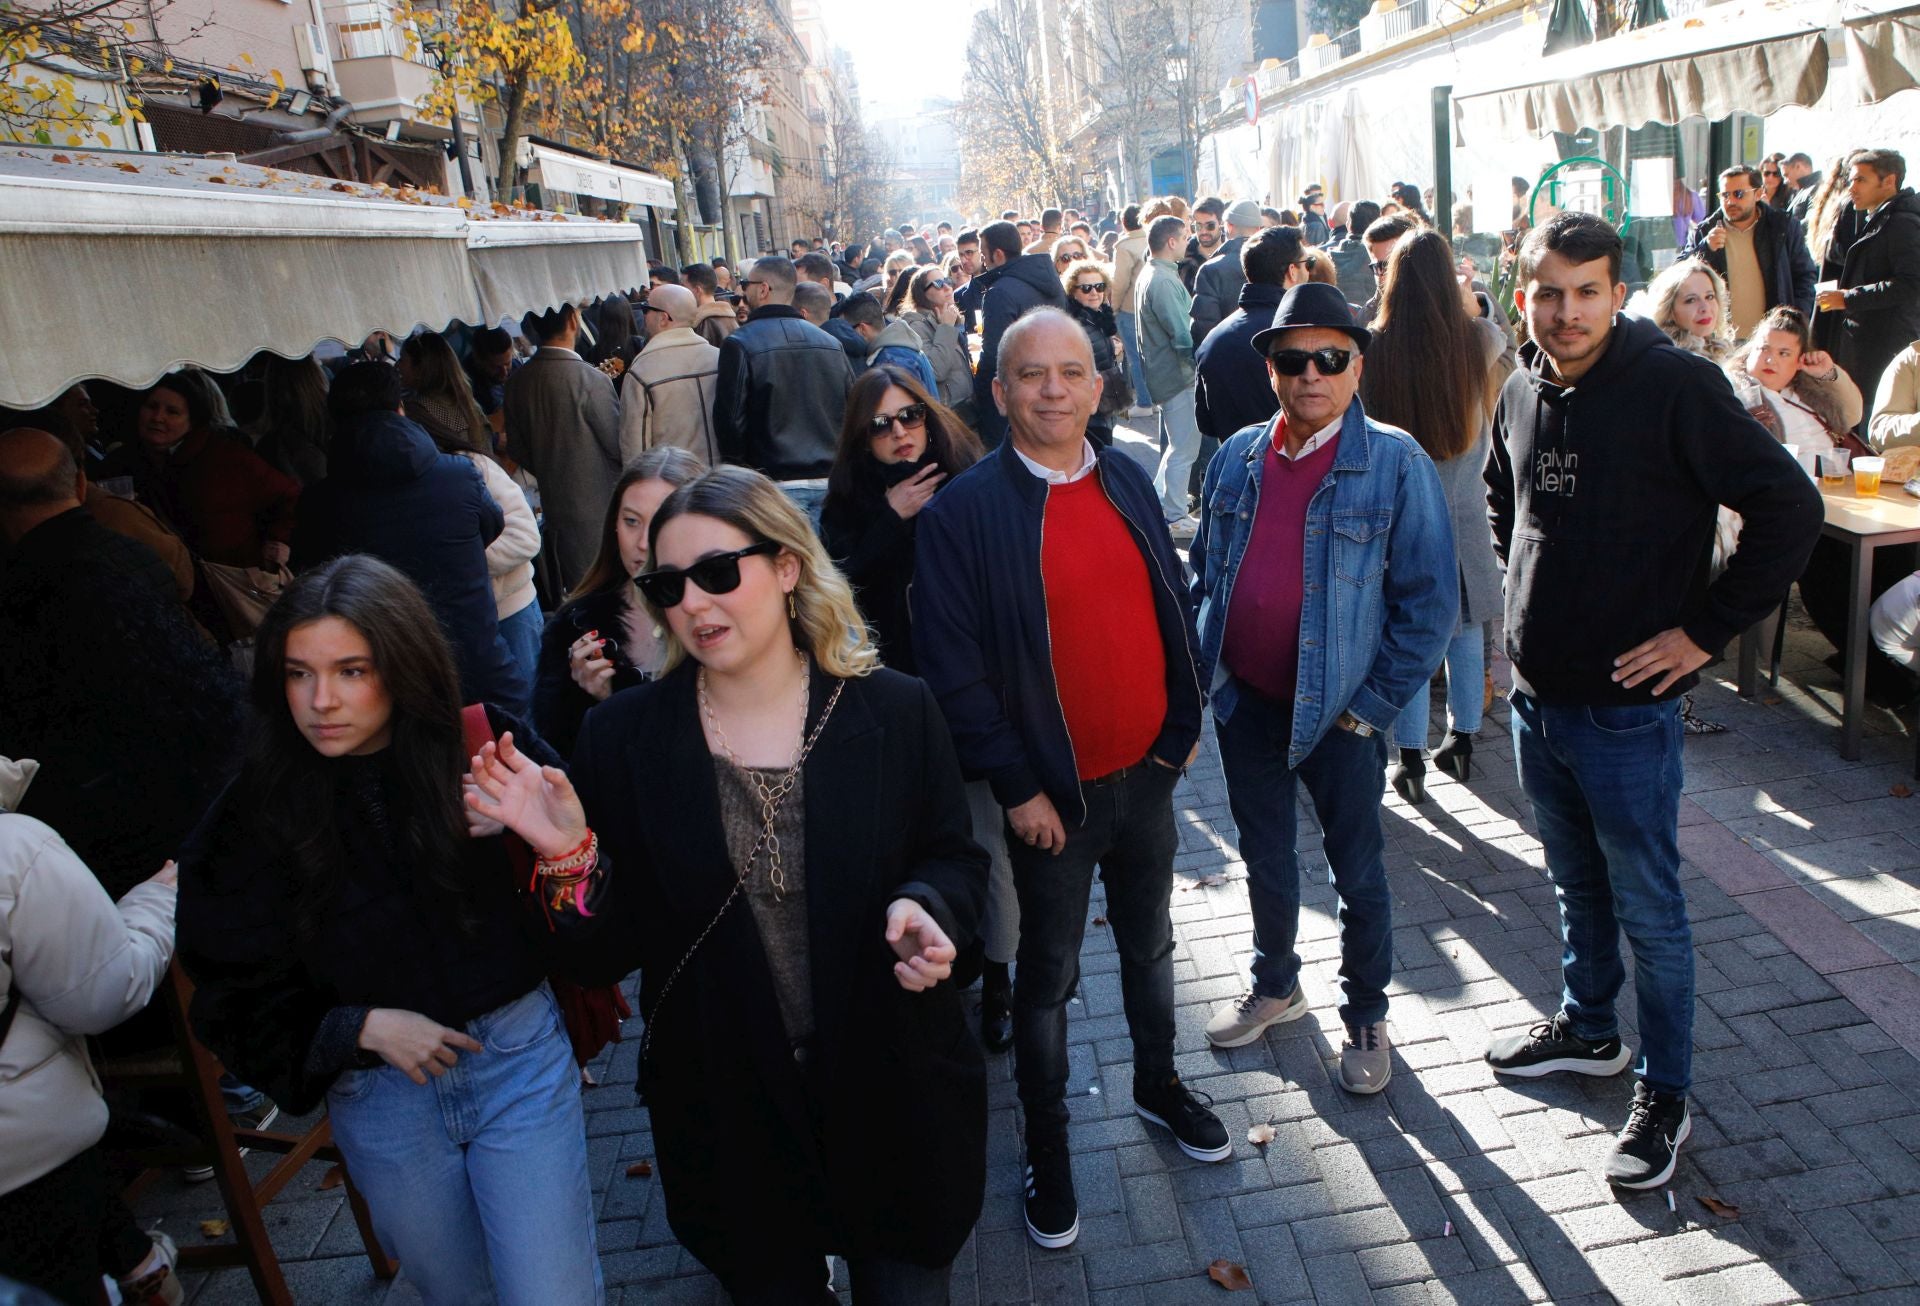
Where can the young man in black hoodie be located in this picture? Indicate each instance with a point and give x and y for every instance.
(1612, 452)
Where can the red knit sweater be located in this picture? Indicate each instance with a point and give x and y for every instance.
(1108, 661)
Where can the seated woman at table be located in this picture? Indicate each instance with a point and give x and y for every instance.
(1798, 393)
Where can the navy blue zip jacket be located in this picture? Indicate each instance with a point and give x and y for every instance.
(980, 631)
(1232, 392)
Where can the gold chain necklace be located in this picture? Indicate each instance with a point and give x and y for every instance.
(769, 808)
(770, 795)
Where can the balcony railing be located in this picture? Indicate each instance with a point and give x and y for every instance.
(367, 29)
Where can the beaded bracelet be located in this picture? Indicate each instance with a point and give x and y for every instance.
(584, 853)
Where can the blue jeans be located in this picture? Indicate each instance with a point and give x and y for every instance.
(485, 1166)
(1130, 338)
(1466, 692)
(1182, 434)
(808, 496)
(1345, 776)
(1605, 787)
(1129, 835)
(521, 631)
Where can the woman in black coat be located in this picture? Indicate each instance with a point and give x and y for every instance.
(358, 936)
(602, 640)
(898, 445)
(813, 1084)
(1085, 282)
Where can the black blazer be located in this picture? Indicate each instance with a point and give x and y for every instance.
(871, 1141)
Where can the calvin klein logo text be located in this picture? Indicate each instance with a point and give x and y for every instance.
(1554, 471)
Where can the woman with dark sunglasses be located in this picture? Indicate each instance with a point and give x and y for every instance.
(1085, 282)
(898, 445)
(936, 321)
(783, 843)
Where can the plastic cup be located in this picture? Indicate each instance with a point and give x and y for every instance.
(1866, 475)
(1833, 468)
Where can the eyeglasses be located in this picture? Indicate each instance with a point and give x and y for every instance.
(1208, 227)
(1092, 287)
(1293, 362)
(1379, 267)
(941, 284)
(750, 281)
(1735, 194)
(718, 573)
(910, 418)
(1768, 172)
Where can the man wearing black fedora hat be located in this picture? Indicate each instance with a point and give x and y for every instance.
(1327, 588)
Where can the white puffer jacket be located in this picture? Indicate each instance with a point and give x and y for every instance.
(82, 964)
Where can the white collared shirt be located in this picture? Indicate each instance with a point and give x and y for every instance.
(1052, 477)
(1308, 449)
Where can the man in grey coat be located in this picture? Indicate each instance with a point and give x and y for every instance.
(563, 425)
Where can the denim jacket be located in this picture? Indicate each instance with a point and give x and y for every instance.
(1378, 545)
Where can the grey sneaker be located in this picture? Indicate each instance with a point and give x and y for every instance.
(1247, 1017)
(1366, 1059)
(1184, 527)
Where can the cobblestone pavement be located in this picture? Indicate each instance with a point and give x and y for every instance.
(1803, 879)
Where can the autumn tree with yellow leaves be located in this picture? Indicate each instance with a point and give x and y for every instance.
(45, 53)
(513, 54)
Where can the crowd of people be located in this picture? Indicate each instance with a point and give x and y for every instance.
(799, 636)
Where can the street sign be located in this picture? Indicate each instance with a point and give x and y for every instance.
(1253, 102)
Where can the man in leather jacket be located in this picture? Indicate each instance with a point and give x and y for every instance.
(782, 388)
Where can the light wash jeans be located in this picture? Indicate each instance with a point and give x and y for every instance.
(809, 496)
(522, 633)
(484, 1167)
(1182, 436)
(1605, 787)
(1466, 692)
(1130, 337)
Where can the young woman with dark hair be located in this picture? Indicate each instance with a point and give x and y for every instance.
(784, 839)
(229, 504)
(602, 640)
(1434, 371)
(358, 936)
(898, 444)
(440, 397)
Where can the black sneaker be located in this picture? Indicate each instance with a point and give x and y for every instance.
(1649, 1145)
(1053, 1216)
(1173, 1107)
(1552, 1046)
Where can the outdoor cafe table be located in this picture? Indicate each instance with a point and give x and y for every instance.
(1863, 525)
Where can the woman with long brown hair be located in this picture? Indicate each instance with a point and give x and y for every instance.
(1433, 371)
(358, 937)
(898, 445)
(439, 396)
(601, 640)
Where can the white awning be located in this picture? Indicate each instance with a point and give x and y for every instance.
(1753, 56)
(571, 174)
(1883, 45)
(206, 262)
(197, 260)
(522, 266)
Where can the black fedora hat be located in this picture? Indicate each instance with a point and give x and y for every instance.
(1313, 304)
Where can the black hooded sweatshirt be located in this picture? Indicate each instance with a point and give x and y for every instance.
(1606, 532)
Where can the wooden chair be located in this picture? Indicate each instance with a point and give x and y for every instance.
(199, 1074)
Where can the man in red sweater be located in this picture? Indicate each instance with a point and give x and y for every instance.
(1050, 618)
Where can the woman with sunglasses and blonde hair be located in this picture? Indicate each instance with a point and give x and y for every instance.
(1085, 282)
(934, 318)
(781, 836)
